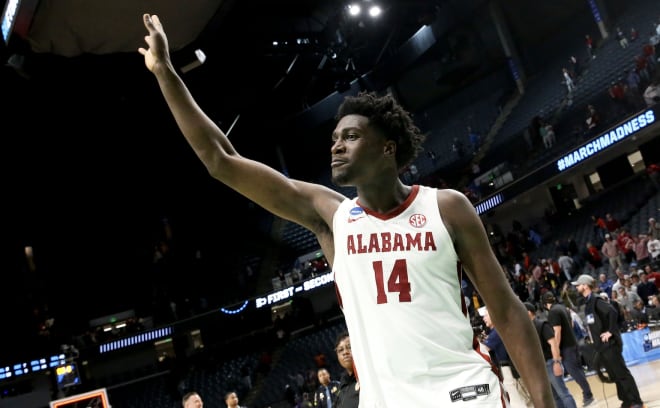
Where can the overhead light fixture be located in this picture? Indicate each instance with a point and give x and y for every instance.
(354, 9)
(374, 11)
(200, 58)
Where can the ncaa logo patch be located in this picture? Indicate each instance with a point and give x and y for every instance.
(355, 214)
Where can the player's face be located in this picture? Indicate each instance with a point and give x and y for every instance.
(357, 150)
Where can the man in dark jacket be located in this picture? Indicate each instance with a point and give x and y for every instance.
(601, 318)
(327, 390)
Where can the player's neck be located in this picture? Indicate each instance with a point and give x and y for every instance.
(383, 199)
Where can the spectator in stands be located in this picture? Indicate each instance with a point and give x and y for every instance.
(639, 314)
(599, 227)
(555, 270)
(634, 34)
(620, 281)
(605, 284)
(634, 281)
(621, 38)
(654, 40)
(593, 257)
(568, 81)
(641, 250)
(653, 170)
(327, 391)
(305, 401)
(589, 42)
(575, 67)
(611, 251)
(299, 380)
(653, 276)
(192, 400)
(320, 360)
(648, 53)
(626, 299)
(654, 229)
(654, 249)
(642, 67)
(289, 395)
(626, 243)
(548, 135)
(652, 93)
(612, 223)
(646, 289)
(567, 265)
(349, 388)
(458, 148)
(617, 94)
(593, 120)
(633, 82)
(654, 308)
(534, 238)
(474, 138)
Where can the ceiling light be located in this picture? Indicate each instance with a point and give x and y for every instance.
(354, 9)
(374, 11)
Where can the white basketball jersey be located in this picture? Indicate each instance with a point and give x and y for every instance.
(398, 281)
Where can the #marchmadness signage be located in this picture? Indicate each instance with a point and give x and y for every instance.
(605, 140)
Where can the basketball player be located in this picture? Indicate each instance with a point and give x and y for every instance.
(397, 251)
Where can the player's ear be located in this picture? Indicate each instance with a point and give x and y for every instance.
(390, 148)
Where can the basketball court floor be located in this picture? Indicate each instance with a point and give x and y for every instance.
(647, 376)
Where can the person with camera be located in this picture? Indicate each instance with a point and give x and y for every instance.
(601, 319)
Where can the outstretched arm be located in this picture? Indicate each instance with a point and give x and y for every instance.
(309, 205)
(504, 307)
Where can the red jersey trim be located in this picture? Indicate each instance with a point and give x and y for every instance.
(398, 210)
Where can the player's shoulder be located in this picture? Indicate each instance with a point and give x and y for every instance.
(450, 194)
(453, 201)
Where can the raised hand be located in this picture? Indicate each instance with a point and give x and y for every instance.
(158, 51)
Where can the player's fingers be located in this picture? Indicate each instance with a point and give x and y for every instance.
(147, 20)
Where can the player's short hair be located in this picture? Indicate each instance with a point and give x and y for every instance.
(390, 118)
